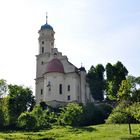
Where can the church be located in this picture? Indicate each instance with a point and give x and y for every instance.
(58, 81)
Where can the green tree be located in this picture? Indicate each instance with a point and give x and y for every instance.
(27, 121)
(71, 114)
(135, 110)
(20, 99)
(1, 117)
(115, 74)
(129, 90)
(44, 117)
(96, 81)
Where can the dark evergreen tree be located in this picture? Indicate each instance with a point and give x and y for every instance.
(115, 75)
(96, 81)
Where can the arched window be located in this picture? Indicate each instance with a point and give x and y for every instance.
(60, 88)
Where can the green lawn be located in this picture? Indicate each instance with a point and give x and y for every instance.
(96, 132)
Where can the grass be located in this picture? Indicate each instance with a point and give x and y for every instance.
(96, 132)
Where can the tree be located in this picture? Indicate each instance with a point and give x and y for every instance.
(115, 74)
(135, 110)
(44, 117)
(129, 90)
(96, 81)
(1, 117)
(20, 99)
(27, 121)
(71, 114)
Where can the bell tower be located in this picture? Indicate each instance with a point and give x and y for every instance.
(46, 38)
(46, 45)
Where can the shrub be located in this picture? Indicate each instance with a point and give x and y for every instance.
(135, 110)
(121, 114)
(42, 117)
(117, 117)
(95, 114)
(70, 115)
(1, 118)
(27, 121)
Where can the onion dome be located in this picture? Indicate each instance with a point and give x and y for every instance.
(55, 65)
(46, 26)
(82, 69)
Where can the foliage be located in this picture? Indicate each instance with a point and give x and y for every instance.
(1, 117)
(27, 121)
(20, 99)
(121, 114)
(4, 111)
(44, 117)
(95, 114)
(115, 74)
(135, 110)
(96, 81)
(117, 117)
(128, 90)
(71, 114)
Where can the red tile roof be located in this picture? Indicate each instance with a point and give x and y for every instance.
(55, 65)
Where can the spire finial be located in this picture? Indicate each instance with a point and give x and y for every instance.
(46, 17)
(81, 64)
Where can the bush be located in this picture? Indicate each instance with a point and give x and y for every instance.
(1, 118)
(135, 110)
(95, 114)
(117, 117)
(121, 114)
(27, 121)
(70, 115)
(42, 117)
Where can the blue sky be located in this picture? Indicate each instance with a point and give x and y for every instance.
(87, 31)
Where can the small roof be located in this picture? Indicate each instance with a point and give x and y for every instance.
(55, 65)
(46, 26)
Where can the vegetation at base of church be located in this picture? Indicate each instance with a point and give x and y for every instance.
(70, 115)
(95, 114)
(96, 132)
(27, 121)
(38, 118)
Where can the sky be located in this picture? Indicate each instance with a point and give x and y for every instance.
(90, 32)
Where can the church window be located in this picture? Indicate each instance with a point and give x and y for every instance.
(51, 43)
(60, 89)
(68, 97)
(49, 88)
(42, 49)
(42, 42)
(41, 91)
(42, 62)
(68, 87)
